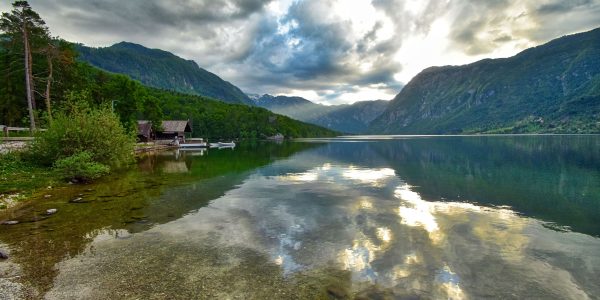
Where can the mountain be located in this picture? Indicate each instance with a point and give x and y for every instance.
(552, 88)
(161, 69)
(353, 118)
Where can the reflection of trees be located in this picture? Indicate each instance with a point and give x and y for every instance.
(134, 200)
(554, 178)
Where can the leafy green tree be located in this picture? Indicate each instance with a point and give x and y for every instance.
(153, 112)
(80, 128)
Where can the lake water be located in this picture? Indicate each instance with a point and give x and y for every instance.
(515, 217)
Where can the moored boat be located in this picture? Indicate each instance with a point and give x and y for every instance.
(226, 145)
(193, 145)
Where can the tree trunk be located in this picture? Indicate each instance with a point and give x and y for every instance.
(31, 81)
(48, 84)
(28, 79)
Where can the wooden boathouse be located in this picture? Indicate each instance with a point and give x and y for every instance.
(171, 129)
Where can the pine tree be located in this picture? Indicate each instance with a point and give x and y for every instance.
(24, 27)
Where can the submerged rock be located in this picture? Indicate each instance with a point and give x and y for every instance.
(77, 200)
(51, 211)
(36, 219)
(337, 292)
(10, 222)
(47, 196)
(3, 255)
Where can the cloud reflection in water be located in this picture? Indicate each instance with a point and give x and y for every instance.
(379, 229)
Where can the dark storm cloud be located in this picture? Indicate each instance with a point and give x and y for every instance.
(190, 28)
(312, 54)
(482, 26)
(307, 47)
(561, 6)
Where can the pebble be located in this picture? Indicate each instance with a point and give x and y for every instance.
(11, 222)
(51, 211)
(77, 200)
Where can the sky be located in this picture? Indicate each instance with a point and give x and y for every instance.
(328, 51)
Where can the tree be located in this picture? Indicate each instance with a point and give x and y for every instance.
(60, 58)
(24, 25)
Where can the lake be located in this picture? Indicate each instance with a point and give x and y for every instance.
(383, 217)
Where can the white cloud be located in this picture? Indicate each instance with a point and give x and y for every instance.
(328, 51)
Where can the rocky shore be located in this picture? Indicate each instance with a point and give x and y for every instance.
(8, 146)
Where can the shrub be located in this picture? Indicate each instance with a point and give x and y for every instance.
(78, 129)
(81, 167)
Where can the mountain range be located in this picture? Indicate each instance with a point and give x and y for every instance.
(164, 70)
(347, 118)
(552, 88)
(161, 69)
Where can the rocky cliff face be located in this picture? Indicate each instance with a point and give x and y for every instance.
(550, 88)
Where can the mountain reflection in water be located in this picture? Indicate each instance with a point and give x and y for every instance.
(443, 217)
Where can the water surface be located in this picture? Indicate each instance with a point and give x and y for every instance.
(404, 217)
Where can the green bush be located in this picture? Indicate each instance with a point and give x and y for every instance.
(81, 167)
(78, 128)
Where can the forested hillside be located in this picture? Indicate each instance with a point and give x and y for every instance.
(551, 88)
(161, 69)
(58, 78)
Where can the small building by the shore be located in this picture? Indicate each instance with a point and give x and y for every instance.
(145, 132)
(171, 129)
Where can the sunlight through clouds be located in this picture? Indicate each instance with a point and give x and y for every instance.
(328, 51)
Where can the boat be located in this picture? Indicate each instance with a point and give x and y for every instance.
(226, 145)
(214, 145)
(192, 145)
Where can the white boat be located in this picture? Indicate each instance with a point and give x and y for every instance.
(226, 145)
(193, 145)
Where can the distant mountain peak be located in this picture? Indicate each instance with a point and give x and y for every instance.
(162, 69)
(347, 118)
(552, 88)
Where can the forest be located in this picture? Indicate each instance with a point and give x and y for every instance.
(41, 73)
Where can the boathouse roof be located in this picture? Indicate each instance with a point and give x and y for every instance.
(176, 126)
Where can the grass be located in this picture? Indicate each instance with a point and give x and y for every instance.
(17, 175)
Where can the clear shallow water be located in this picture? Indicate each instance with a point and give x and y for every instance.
(418, 217)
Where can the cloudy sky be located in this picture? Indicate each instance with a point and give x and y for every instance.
(328, 51)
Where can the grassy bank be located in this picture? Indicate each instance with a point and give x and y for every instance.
(19, 179)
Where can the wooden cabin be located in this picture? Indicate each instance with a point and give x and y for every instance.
(170, 130)
(145, 132)
(174, 129)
